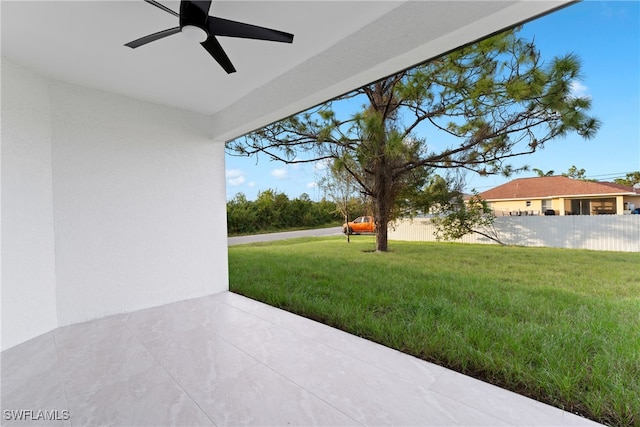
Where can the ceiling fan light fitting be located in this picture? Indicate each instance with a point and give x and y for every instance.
(194, 33)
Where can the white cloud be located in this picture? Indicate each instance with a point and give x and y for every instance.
(312, 185)
(234, 177)
(280, 173)
(321, 165)
(251, 184)
(578, 90)
(236, 181)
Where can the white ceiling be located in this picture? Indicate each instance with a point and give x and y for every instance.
(338, 46)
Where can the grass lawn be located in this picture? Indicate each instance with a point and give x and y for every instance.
(561, 326)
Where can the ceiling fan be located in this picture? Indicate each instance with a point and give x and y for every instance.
(197, 25)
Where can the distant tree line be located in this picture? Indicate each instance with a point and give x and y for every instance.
(272, 211)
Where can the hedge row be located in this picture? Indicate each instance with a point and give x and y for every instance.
(275, 211)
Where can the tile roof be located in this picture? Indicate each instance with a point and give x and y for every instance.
(554, 186)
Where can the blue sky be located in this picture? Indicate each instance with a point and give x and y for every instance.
(606, 37)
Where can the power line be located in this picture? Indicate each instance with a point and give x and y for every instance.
(610, 175)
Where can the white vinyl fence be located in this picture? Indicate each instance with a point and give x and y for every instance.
(601, 233)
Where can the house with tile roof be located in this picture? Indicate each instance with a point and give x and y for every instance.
(560, 195)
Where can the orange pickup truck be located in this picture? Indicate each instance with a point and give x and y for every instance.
(362, 224)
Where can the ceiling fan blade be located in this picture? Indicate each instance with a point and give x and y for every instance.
(194, 13)
(213, 47)
(152, 37)
(163, 7)
(227, 28)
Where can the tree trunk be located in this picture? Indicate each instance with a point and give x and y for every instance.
(382, 213)
(346, 220)
(381, 236)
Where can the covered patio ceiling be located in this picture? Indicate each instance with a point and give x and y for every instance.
(338, 46)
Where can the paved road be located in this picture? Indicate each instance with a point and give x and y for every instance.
(333, 231)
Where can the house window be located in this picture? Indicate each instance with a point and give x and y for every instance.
(581, 207)
(546, 205)
(528, 202)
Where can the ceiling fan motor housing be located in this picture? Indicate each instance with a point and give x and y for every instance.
(194, 14)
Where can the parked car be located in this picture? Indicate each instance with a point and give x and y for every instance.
(362, 224)
(636, 211)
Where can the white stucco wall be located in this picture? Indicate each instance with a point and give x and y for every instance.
(124, 203)
(28, 265)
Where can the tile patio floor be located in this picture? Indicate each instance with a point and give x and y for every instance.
(228, 360)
